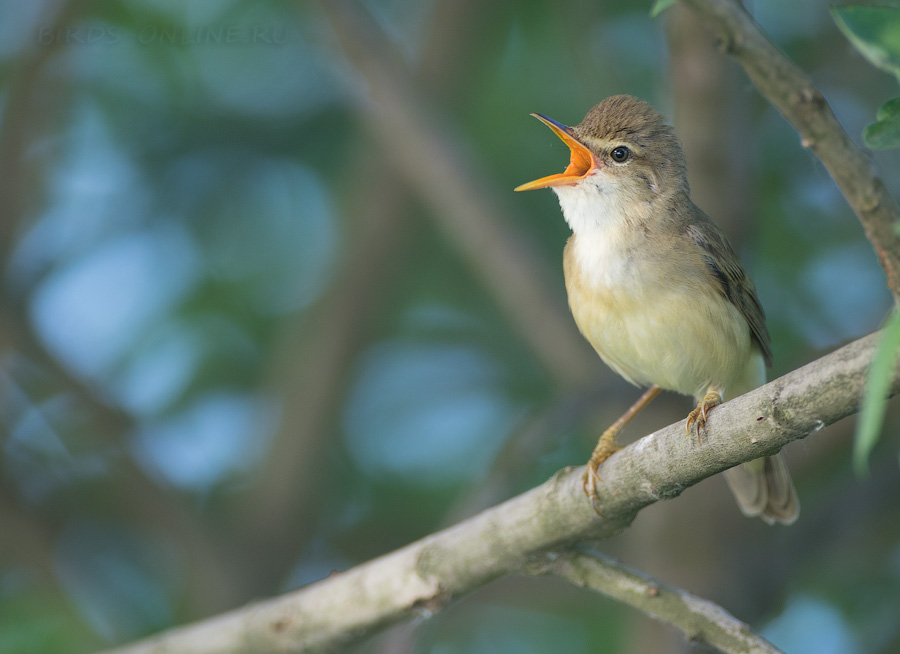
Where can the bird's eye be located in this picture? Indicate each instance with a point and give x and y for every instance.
(620, 154)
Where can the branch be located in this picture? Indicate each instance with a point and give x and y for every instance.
(434, 160)
(699, 619)
(311, 371)
(709, 114)
(25, 113)
(420, 578)
(792, 92)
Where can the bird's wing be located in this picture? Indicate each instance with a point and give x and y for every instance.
(724, 265)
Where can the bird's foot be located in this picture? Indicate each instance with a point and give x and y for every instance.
(698, 415)
(606, 447)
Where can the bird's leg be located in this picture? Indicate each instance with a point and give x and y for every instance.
(607, 445)
(712, 399)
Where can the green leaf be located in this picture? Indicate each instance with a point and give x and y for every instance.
(885, 133)
(874, 31)
(890, 109)
(660, 6)
(874, 402)
(882, 135)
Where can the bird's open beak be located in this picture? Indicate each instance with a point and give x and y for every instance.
(580, 164)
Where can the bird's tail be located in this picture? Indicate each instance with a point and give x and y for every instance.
(762, 487)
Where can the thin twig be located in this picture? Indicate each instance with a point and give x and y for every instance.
(699, 619)
(792, 92)
(421, 578)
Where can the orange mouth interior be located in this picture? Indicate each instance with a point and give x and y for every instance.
(580, 163)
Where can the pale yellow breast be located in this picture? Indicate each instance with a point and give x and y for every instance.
(656, 320)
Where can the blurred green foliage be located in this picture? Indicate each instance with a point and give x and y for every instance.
(660, 6)
(875, 31)
(241, 350)
(884, 133)
(874, 403)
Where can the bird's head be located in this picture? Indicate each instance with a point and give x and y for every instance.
(623, 154)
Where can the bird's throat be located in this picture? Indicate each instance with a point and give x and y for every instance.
(599, 207)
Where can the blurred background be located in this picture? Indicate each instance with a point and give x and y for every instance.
(270, 308)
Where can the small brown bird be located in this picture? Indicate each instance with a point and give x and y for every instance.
(656, 288)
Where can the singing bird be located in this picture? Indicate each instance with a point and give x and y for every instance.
(655, 286)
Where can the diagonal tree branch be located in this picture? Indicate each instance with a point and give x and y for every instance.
(792, 92)
(434, 160)
(314, 368)
(420, 578)
(699, 619)
(312, 371)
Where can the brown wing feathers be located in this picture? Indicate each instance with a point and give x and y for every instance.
(724, 265)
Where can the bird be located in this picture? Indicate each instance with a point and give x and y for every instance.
(655, 286)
